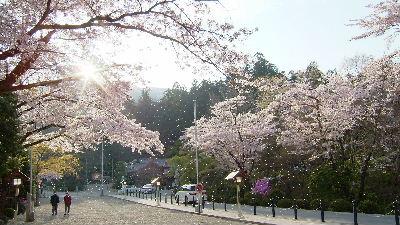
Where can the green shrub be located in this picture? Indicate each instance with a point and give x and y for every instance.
(9, 213)
(315, 204)
(277, 194)
(247, 198)
(2, 222)
(284, 203)
(302, 204)
(368, 206)
(340, 205)
(388, 209)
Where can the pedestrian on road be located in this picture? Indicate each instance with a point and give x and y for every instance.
(67, 202)
(54, 200)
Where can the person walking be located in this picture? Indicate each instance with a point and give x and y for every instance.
(67, 202)
(54, 200)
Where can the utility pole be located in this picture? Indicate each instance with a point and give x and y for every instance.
(195, 140)
(30, 214)
(86, 172)
(112, 170)
(199, 192)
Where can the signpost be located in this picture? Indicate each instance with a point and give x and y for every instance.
(199, 188)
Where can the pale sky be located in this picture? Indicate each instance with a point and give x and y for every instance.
(291, 34)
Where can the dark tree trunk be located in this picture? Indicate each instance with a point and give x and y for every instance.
(397, 177)
(363, 176)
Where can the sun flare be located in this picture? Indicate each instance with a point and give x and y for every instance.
(90, 74)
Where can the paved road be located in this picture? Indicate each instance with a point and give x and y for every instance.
(90, 209)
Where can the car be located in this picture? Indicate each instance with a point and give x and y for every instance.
(188, 190)
(131, 189)
(124, 189)
(148, 189)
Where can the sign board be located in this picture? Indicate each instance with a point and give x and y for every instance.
(232, 175)
(199, 187)
(154, 181)
(17, 181)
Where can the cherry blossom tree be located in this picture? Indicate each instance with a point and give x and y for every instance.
(314, 119)
(378, 96)
(384, 19)
(233, 137)
(380, 91)
(77, 117)
(43, 40)
(344, 118)
(39, 35)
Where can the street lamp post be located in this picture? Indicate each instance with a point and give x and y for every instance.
(158, 193)
(102, 168)
(236, 176)
(238, 181)
(16, 182)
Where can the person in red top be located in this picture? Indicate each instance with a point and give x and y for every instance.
(67, 202)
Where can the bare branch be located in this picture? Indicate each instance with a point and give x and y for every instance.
(45, 14)
(27, 145)
(38, 130)
(39, 84)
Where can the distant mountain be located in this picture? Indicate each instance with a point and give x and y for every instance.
(155, 93)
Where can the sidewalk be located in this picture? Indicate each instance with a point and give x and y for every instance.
(229, 215)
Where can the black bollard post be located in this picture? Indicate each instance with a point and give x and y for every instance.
(178, 199)
(202, 201)
(354, 202)
(295, 210)
(126, 192)
(165, 198)
(225, 203)
(254, 205)
(273, 207)
(186, 200)
(171, 199)
(212, 198)
(194, 203)
(139, 194)
(396, 212)
(159, 196)
(321, 207)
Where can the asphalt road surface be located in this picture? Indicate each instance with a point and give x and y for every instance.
(89, 208)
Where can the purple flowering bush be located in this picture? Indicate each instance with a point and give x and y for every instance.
(262, 187)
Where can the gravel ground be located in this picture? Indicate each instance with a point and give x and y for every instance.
(89, 209)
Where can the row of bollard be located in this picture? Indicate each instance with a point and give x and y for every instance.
(322, 210)
(321, 207)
